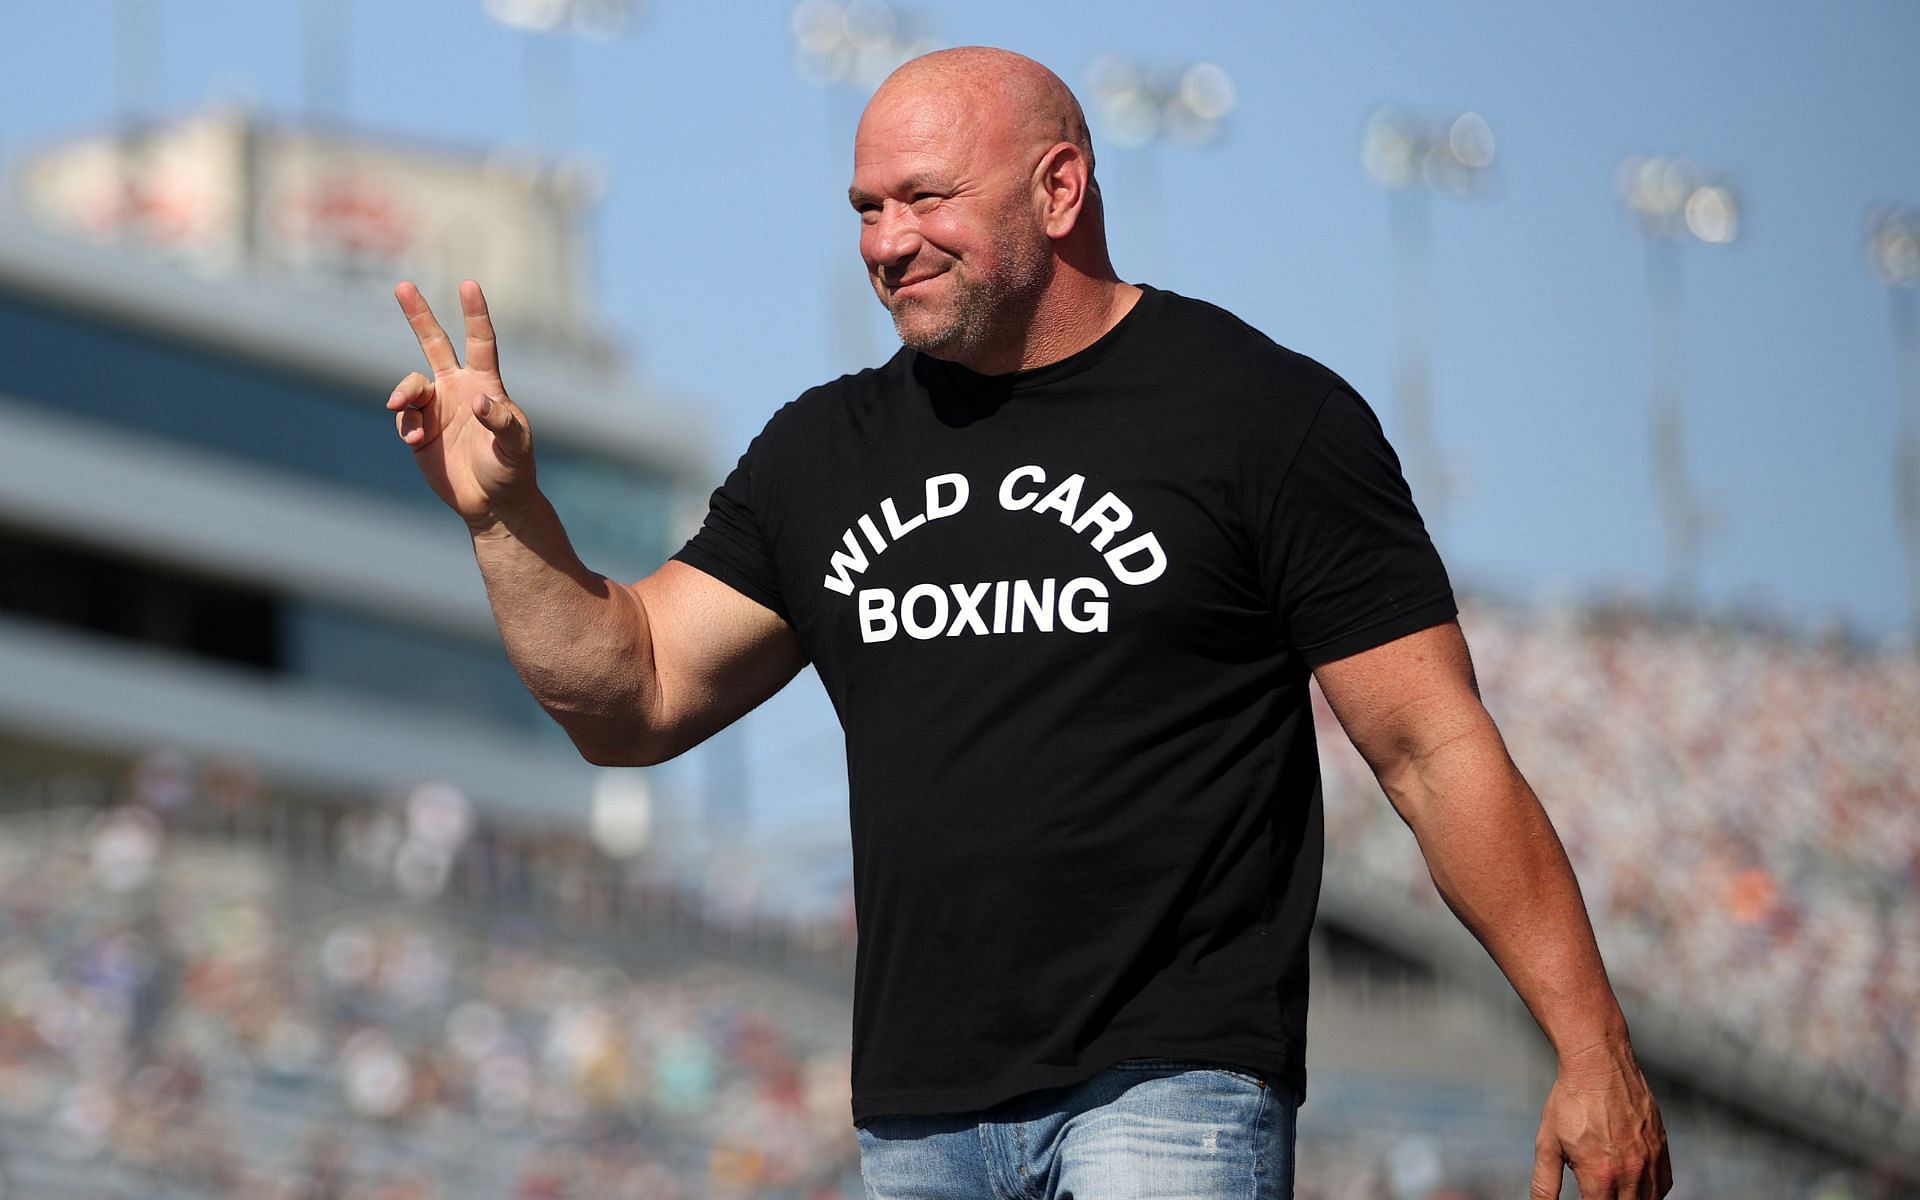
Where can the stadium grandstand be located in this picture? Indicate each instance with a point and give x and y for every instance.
(284, 590)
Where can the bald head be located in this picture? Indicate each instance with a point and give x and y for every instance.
(979, 220)
(1019, 96)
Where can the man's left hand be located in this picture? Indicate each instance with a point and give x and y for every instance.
(1601, 1119)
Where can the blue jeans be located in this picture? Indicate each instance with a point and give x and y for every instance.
(1144, 1129)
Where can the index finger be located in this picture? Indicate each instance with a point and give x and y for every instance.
(433, 339)
(482, 353)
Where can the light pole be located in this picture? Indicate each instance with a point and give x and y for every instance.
(138, 86)
(1675, 201)
(846, 49)
(548, 60)
(1412, 158)
(1142, 106)
(1893, 252)
(325, 60)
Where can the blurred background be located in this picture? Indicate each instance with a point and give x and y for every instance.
(302, 897)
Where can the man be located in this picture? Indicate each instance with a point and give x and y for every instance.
(1063, 565)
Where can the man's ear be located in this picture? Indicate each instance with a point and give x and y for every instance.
(1061, 183)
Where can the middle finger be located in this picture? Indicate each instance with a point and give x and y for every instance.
(434, 342)
(482, 353)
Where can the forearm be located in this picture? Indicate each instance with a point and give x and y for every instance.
(579, 640)
(1501, 868)
(634, 674)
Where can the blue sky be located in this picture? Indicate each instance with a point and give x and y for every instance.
(725, 244)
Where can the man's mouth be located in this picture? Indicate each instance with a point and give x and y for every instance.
(912, 281)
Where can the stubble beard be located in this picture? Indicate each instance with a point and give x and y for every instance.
(983, 313)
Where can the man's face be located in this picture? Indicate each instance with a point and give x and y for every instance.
(948, 230)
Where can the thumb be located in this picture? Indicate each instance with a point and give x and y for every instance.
(1546, 1169)
(507, 423)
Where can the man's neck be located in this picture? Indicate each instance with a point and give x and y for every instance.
(1074, 313)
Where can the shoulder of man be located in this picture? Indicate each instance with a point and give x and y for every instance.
(824, 409)
(830, 401)
(1228, 341)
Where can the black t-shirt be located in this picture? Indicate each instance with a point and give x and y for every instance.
(1066, 617)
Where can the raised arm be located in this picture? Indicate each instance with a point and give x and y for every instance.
(1413, 710)
(634, 673)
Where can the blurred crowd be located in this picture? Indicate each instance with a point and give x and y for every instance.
(1742, 809)
(180, 1015)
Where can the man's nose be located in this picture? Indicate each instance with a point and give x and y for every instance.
(893, 237)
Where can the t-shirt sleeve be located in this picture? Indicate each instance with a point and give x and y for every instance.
(732, 545)
(1346, 559)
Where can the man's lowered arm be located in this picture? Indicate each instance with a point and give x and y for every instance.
(1413, 710)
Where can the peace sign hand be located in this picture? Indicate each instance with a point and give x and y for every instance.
(471, 443)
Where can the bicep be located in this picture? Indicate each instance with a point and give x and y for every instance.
(716, 653)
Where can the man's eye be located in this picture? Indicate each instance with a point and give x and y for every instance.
(923, 199)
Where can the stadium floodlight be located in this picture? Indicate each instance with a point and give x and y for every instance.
(1400, 151)
(1412, 156)
(1139, 104)
(857, 43)
(1674, 200)
(1893, 246)
(1893, 254)
(602, 20)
